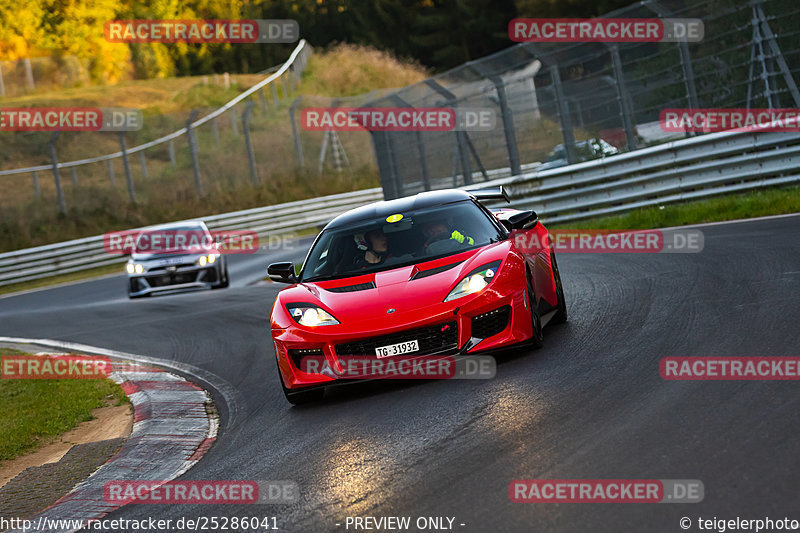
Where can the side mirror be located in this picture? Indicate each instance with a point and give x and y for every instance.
(524, 220)
(282, 272)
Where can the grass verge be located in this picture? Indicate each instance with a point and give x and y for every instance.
(36, 411)
(731, 207)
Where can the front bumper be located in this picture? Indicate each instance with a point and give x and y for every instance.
(485, 323)
(159, 279)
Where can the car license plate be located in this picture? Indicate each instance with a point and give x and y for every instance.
(397, 349)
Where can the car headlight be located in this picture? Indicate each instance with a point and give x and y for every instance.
(311, 315)
(204, 260)
(475, 281)
(130, 268)
(134, 267)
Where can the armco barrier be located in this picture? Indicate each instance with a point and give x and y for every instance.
(82, 254)
(698, 167)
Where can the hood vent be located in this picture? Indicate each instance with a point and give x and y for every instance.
(432, 271)
(353, 288)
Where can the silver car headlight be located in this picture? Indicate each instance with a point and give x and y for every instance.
(209, 259)
(132, 268)
(475, 281)
(311, 315)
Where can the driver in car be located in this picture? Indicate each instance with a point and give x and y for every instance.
(438, 231)
(375, 246)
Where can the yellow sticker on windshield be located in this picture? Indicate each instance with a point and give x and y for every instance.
(394, 218)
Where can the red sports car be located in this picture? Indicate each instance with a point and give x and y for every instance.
(433, 274)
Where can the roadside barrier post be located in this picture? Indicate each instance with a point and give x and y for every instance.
(74, 176)
(215, 131)
(111, 172)
(62, 205)
(193, 150)
(233, 123)
(143, 161)
(126, 165)
(262, 98)
(623, 98)
(246, 130)
(297, 146)
(171, 149)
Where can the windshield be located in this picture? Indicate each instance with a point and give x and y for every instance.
(411, 237)
(173, 240)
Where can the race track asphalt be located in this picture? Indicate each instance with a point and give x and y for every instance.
(589, 404)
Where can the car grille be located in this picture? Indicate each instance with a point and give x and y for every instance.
(174, 279)
(491, 323)
(432, 339)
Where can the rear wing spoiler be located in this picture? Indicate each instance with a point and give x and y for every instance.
(498, 193)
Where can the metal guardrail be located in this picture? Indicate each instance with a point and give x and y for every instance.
(82, 254)
(687, 169)
(692, 168)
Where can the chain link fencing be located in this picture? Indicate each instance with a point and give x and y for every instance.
(556, 100)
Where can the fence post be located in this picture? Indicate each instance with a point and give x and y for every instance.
(111, 172)
(143, 161)
(285, 85)
(233, 123)
(623, 98)
(461, 147)
(193, 149)
(171, 149)
(262, 98)
(563, 115)
(426, 182)
(508, 126)
(36, 190)
(127, 167)
(246, 130)
(62, 205)
(29, 73)
(74, 176)
(297, 146)
(215, 130)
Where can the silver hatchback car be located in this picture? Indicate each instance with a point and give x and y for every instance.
(175, 256)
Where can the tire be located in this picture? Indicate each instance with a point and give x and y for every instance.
(300, 397)
(225, 281)
(537, 339)
(561, 309)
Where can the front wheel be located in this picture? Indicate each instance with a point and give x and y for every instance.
(561, 308)
(537, 339)
(224, 279)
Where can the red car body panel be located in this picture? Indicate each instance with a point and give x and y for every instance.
(364, 314)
